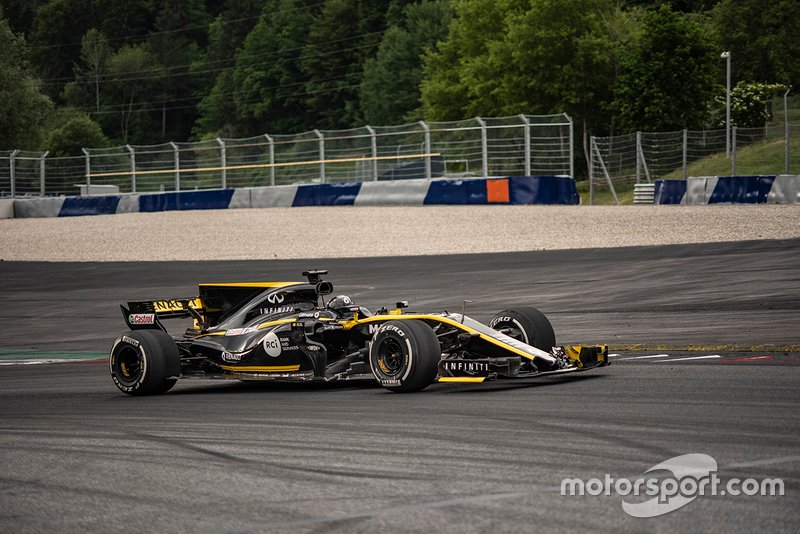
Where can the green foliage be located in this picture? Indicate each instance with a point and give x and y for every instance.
(226, 34)
(54, 40)
(668, 80)
(389, 90)
(749, 104)
(23, 108)
(267, 77)
(461, 77)
(547, 57)
(341, 37)
(76, 133)
(763, 38)
(126, 90)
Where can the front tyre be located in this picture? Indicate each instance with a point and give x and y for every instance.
(145, 362)
(404, 355)
(526, 324)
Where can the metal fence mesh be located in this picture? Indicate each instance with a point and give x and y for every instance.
(479, 147)
(647, 156)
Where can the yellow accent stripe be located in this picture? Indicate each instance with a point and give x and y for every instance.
(251, 284)
(462, 378)
(262, 368)
(438, 319)
(266, 165)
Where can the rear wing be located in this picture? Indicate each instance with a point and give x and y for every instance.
(148, 314)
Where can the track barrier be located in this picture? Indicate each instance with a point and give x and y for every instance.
(476, 191)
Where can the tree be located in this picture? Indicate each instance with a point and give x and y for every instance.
(180, 31)
(390, 88)
(54, 45)
(76, 133)
(23, 108)
(668, 81)
(750, 104)
(763, 39)
(127, 90)
(342, 36)
(226, 34)
(462, 59)
(511, 57)
(270, 87)
(91, 72)
(564, 57)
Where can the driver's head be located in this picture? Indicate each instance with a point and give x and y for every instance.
(341, 304)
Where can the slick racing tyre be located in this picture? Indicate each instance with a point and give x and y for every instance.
(145, 362)
(404, 356)
(526, 324)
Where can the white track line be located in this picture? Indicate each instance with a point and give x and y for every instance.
(645, 357)
(690, 358)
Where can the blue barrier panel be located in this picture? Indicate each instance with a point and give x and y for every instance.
(447, 192)
(77, 206)
(764, 187)
(186, 200)
(736, 189)
(669, 191)
(530, 189)
(476, 191)
(326, 195)
(566, 191)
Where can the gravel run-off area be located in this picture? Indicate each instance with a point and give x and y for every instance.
(331, 232)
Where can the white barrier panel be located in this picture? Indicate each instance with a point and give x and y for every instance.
(398, 192)
(785, 190)
(280, 196)
(6, 209)
(38, 207)
(240, 199)
(128, 204)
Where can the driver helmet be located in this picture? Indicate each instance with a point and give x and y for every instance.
(341, 304)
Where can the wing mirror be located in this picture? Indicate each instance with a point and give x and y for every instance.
(324, 288)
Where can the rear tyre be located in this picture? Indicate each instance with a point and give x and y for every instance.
(526, 324)
(145, 362)
(404, 356)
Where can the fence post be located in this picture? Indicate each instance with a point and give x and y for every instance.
(321, 155)
(41, 172)
(733, 151)
(132, 152)
(571, 146)
(786, 126)
(271, 158)
(177, 165)
(88, 170)
(591, 167)
(638, 157)
(527, 130)
(374, 143)
(11, 172)
(223, 159)
(484, 147)
(605, 172)
(685, 154)
(427, 136)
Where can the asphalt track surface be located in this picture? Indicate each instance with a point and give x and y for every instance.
(78, 456)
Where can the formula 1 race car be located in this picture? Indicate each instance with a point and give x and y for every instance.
(286, 331)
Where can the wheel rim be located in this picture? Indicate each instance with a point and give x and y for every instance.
(514, 330)
(128, 365)
(390, 357)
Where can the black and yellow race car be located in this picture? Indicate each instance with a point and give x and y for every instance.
(287, 331)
